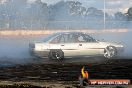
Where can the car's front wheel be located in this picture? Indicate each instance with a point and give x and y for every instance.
(110, 52)
(56, 54)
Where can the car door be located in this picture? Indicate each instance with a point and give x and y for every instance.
(87, 45)
(68, 45)
(54, 43)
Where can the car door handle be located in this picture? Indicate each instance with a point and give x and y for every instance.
(80, 44)
(62, 45)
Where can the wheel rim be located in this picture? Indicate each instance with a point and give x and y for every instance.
(109, 52)
(56, 54)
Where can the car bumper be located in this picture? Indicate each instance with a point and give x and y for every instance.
(44, 53)
(120, 50)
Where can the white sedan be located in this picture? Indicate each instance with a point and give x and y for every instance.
(70, 44)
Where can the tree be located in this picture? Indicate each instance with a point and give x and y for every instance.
(120, 16)
(129, 14)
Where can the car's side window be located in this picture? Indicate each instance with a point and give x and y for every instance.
(62, 39)
(79, 38)
(89, 38)
(56, 40)
(70, 39)
(66, 38)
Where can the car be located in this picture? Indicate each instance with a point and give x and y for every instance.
(69, 44)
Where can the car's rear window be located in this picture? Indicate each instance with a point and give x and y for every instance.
(48, 37)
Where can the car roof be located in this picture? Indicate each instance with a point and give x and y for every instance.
(69, 33)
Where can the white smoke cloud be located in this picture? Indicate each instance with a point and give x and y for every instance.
(113, 6)
(49, 2)
(3, 1)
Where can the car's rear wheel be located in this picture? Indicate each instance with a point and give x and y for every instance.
(110, 52)
(56, 54)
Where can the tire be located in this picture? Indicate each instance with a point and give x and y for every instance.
(110, 52)
(56, 54)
